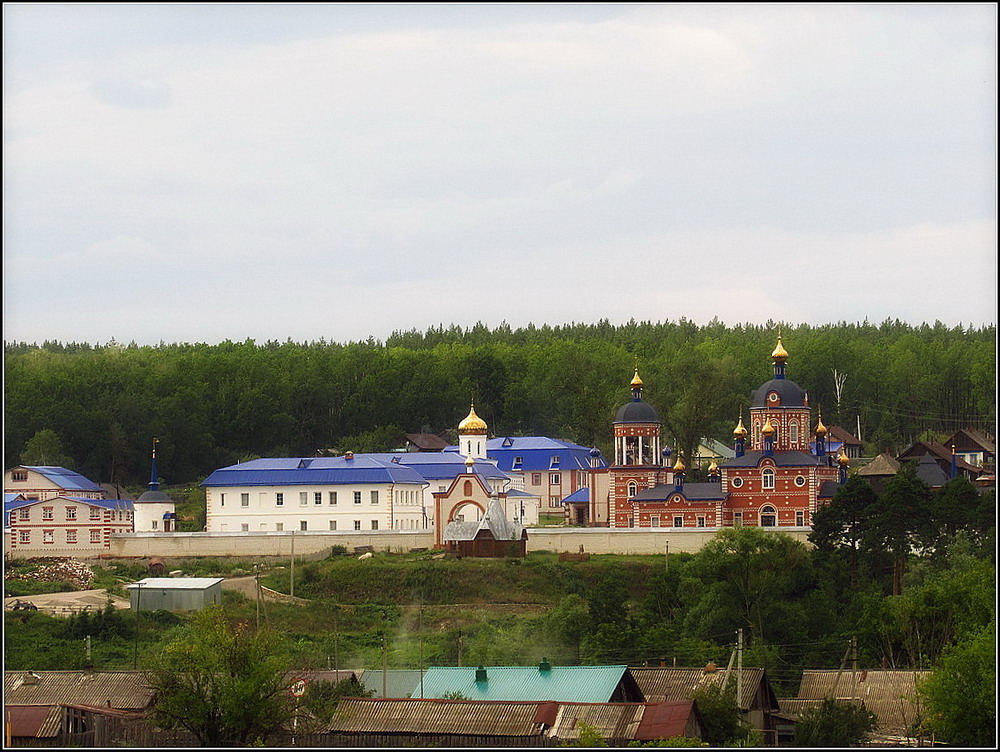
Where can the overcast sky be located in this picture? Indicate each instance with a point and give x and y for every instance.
(195, 173)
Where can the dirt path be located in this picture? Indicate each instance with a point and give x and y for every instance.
(64, 604)
(247, 586)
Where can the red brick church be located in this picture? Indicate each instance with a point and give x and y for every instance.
(781, 474)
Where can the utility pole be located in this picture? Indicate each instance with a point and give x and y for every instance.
(854, 666)
(291, 587)
(138, 602)
(420, 631)
(739, 666)
(460, 648)
(666, 556)
(256, 579)
(87, 642)
(385, 666)
(336, 640)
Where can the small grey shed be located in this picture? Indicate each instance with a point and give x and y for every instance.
(175, 593)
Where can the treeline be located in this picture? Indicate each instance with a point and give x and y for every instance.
(211, 405)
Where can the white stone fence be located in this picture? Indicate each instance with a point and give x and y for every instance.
(313, 545)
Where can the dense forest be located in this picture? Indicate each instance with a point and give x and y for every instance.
(98, 406)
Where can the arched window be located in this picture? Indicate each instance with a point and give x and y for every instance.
(467, 488)
(632, 488)
(767, 479)
(793, 432)
(768, 517)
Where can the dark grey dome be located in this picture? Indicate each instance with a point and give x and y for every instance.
(791, 394)
(637, 412)
(153, 496)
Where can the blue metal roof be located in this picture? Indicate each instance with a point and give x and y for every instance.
(314, 471)
(64, 478)
(581, 494)
(560, 683)
(440, 465)
(536, 454)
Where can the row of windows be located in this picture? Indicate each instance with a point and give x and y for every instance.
(48, 513)
(318, 498)
(555, 479)
(767, 480)
(553, 462)
(304, 525)
(48, 536)
(769, 518)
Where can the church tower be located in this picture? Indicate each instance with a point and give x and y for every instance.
(472, 435)
(779, 411)
(638, 459)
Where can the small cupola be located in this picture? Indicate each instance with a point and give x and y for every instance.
(481, 675)
(544, 666)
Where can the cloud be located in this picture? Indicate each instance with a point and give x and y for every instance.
(132, 94)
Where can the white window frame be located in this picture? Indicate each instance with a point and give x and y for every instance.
(357, 497)
(48, 513)
(374, 497)
(70, 513)
(357, 524)
(279, 499)
(318, 497)
(95, 536)
(303, 498)
(772, 513)
(767, 479)
(303, 525)
(24, 514)
(555, 479)
(25, 536)
(678, 520)
(333, 498)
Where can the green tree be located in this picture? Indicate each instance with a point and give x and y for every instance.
(961, 693)
(834, 724)
(840, 524)
(224, 683)
(899, 521)
(320, 700)
(45, 448)
(722, 720)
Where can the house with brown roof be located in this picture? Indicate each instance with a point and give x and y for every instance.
(373, 722)
(975, 447)
(890, 694)
(852, 446)
(756, 698)
(65, 726)
(119, 690)
(942, 456)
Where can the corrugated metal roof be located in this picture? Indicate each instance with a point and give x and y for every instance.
(176, 583)
(612, 720)
(33, 721)
(126, 690)
(441, 465)
(891, 695)
(402, 716)
(666, 719)
(560, 683)
(65, 478)
(667, 684)
(399, 683)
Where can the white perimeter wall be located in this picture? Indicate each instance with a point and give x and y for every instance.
(244, 545)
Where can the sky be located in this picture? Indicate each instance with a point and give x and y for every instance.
(200, 172)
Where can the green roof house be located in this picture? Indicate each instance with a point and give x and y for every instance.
(533, 683)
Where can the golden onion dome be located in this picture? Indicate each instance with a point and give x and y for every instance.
(469, 462)
(843, 459)
(740, 431)
(713, 468)
(820, 428)
(636, 381)
(768, 429)
(472, 423)
(779, 353)
(678, 466)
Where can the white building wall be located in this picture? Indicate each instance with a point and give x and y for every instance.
(261, 509)
(148, 515)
